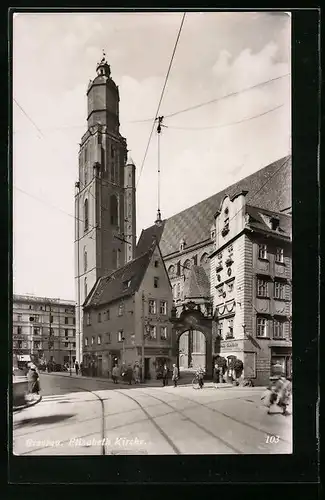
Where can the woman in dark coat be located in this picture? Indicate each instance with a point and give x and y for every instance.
(33, 380)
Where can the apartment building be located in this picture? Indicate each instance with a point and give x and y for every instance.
(44, 329)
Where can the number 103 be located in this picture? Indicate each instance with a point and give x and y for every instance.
(272, 439)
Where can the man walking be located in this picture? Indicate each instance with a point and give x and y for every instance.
(165, 375)
(77, 367)
(115, 374)
(175, 375)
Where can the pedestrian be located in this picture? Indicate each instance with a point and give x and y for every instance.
(81, 368)
(200, 376)
(175, 375)
(33, 380)
(137, 374)
(216, 374)
(77, 367)
(165, 375)
(115, 374)
(285, 395)
(272, 394)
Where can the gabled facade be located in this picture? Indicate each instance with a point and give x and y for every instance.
(251, 288)
(126, 317)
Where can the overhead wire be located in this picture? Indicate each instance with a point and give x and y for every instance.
(161, 97)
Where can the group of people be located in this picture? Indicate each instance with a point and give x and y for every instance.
(165, 375)
(127, 373)
(279, 393)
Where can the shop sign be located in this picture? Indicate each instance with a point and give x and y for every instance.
(231, 345)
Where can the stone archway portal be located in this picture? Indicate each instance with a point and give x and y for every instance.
(191, 350)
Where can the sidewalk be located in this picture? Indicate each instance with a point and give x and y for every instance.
(147, 383)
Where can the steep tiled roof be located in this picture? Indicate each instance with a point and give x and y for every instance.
(257, 221)
(197, 284)
(121, 283)
(147, 237)
(269, 188)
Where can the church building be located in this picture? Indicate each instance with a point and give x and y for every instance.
(105, 226)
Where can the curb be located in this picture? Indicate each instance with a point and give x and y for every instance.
(22, 407)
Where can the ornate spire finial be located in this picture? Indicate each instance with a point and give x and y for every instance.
(104, 56)
(158, 220)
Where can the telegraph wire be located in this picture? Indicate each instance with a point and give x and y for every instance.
(27, 115)
(218, 98)
(224, 125)
(161, 97)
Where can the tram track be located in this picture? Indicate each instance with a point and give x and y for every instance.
(226, 415)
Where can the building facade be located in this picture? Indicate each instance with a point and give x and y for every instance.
(126, 317)
(189, 239)
(105, 227)
(44, 329)
(251, 288)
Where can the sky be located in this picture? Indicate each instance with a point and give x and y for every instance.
(203, 150)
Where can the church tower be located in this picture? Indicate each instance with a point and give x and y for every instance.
(130, 210)
(100, 197)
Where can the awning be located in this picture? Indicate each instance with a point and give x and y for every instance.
(24, 357)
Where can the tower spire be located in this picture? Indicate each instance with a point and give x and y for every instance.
(160, 124)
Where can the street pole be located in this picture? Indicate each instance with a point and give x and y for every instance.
(142, 340)
(70, 362)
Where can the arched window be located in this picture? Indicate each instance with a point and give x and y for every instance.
(85, 288)
(204, 260)
(171, 271)
(186, 268)
(86, 175)
(85, 259)
(114, 210)
(86, 214)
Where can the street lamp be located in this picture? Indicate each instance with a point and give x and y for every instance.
(70, 359)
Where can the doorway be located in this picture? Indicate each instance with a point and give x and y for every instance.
(192, 351)
(146, 368)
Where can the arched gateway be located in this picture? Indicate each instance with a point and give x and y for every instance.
(192, 338)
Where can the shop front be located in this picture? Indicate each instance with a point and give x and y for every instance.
(281, 362)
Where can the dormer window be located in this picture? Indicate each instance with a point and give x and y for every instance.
(274, 221)
(182, 245)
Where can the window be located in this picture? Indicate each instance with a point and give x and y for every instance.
(99, 138)
(278, 329)
(262, 288)
(92, 340)
(163, 332)
(85, 259)
(73, 321)
(178, 290)
(230, 328)
(86, 215)
(152, 306)
(120, 337)
(107, 314)
(152, 331)
(37, 344)
(86, 341)
(178, 268)
(261, 327)
(51, 331)
(114, 210)
(171, 271)
(220, 328)
(88, 318)
(99, 339)
(156, 263)
(19, 330)
(86, 153)
(279, 255)
(156, 282)
(20, 344)
(99, 317)
(73, 333)
(121, 309)
(66, 320)
(108, 338)
(163, 307)
(66, 344)
(74, 345)
(194, 260)
(36, 331)
(36, 319)
(262, 251)
(278, 290)
(51, 319)
(85, 288)
(19, 317)
(66, 333)
(86, 175)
